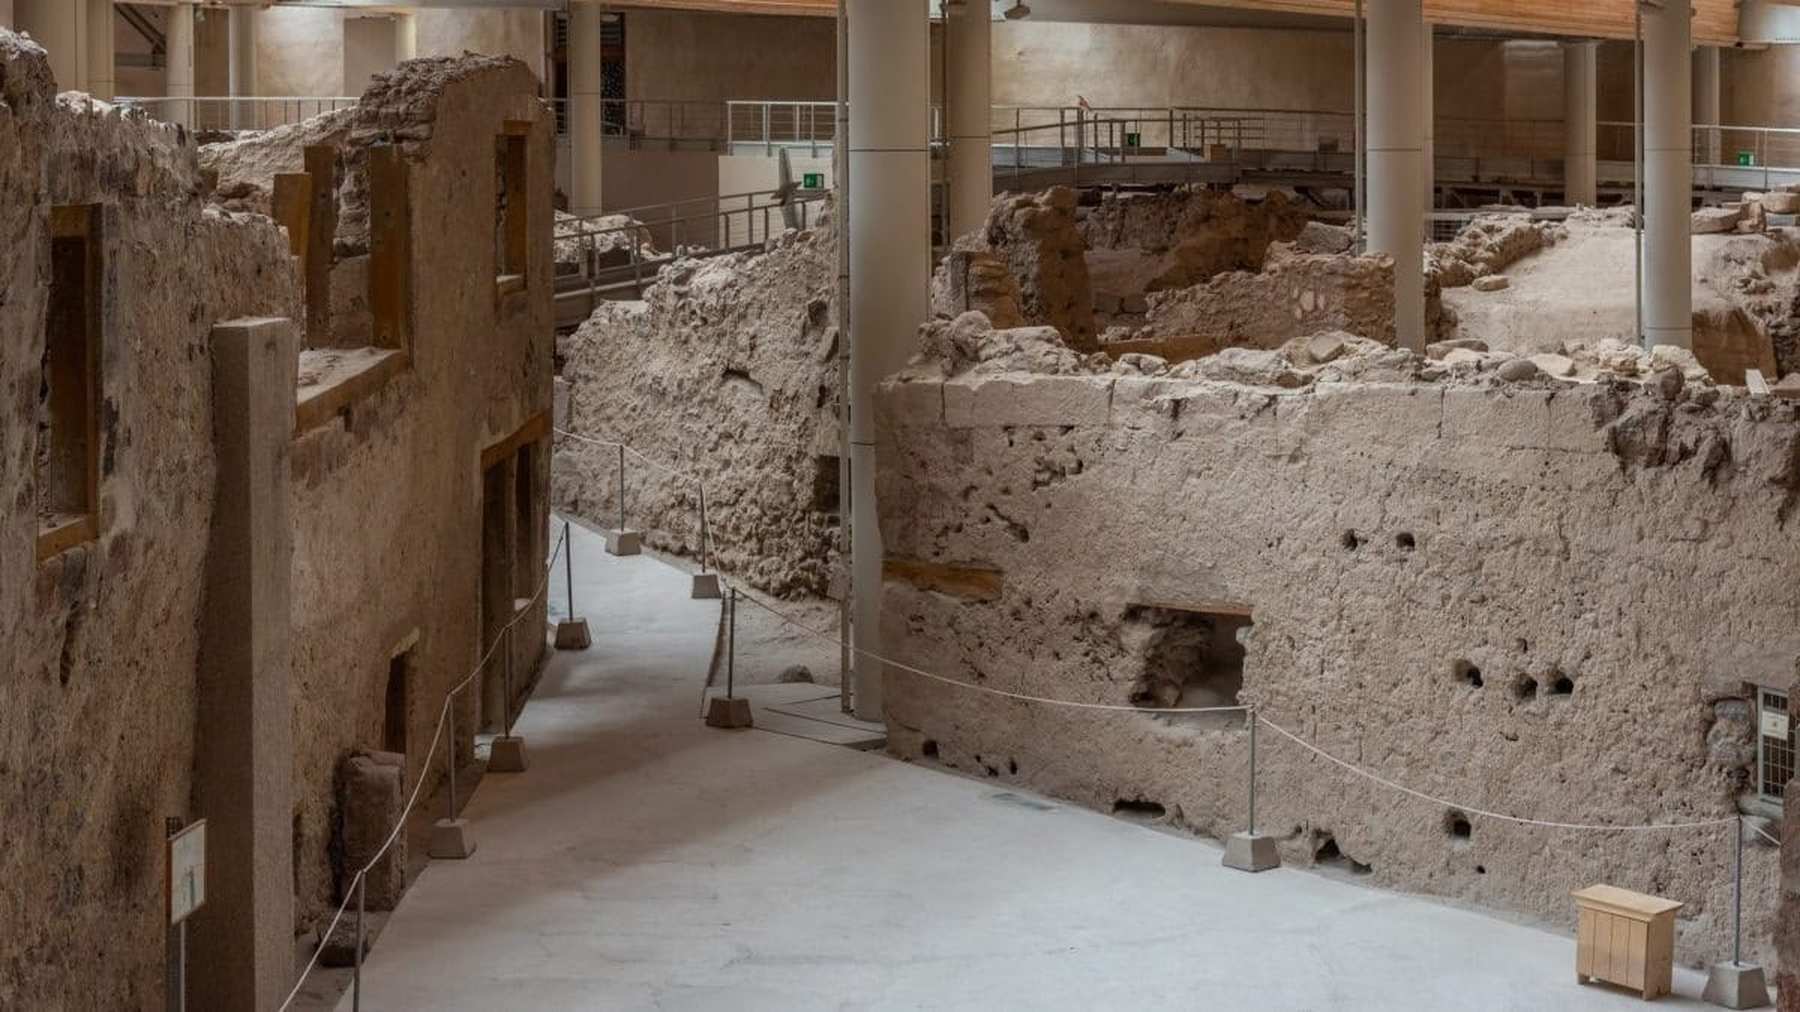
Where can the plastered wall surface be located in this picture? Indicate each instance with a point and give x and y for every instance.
(98, 645)
(301, 51)
(101, 642)
(1585, 550)
(699, 57)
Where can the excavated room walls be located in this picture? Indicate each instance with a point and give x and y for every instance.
(98, 644)
(1606, 563)
(388, 495)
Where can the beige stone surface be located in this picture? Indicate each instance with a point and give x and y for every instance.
(1502, 593)
(1787, 976)
(728, 371)
(1293, 295)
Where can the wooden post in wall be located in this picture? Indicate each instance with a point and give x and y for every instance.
(321, 232)
(291, 206)
(243, 938)
(390, 247)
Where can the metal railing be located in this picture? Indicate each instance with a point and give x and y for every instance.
(1725, 154)
(204, 112)
(625, 257)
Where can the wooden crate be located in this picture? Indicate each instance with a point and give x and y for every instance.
(1625, 938)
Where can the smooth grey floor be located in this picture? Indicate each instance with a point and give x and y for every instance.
(648, 862)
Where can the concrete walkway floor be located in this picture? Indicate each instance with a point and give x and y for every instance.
(646, 861)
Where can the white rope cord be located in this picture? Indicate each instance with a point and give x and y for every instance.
(1759, 832)
(1469, 810)
(706, 531)
(412, 799)
(1019, 696)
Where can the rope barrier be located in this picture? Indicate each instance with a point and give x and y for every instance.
(1470, 810)
(412, 800)
(1019, 696)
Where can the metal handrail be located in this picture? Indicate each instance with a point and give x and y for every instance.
(235, 112)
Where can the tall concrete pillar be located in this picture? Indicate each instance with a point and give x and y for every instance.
(243, 938)
(1668, 176)
(406, 38)
(60, 26)
(890, 263)
(1396, 157)
(1580, 122)
(1428, 95)
(101, 82)
(1706, 100)
(587, 114)
(969, 30)
(179, 48)
(242, 32)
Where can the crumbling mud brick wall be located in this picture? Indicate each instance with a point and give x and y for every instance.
(728, 370)
(99, 642)
(1036, 237)
(390, 504)
(1293, 295)
(1149, 242)
(1507, 595)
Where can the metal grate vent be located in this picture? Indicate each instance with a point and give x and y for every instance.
(1774, 743)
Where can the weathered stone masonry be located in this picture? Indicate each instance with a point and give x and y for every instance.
(1525, 598)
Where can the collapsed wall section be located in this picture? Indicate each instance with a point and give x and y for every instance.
(1503, 594)
(727, 371)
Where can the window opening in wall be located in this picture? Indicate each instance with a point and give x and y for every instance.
(825, 492)
(68, 428)
(1774, 743)
(512, 236)
(393, 726)
(1189, 658)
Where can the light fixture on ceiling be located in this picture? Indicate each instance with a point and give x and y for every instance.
(1019, 11)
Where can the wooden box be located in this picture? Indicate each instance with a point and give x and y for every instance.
(1625, 938)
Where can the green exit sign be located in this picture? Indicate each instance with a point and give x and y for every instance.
(814, 181)
(1746, 158)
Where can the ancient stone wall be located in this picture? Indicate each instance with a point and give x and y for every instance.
(99, 642)
(388, 493)
(1293, 295)
(728, 370)
(1175, 239)
(1507, 595)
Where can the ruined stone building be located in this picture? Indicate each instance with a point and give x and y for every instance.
(269, 493)
(1107, 504)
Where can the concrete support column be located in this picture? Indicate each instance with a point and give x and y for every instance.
(1668, 176)
(1581, 122)
(890, 262)
(406, 38)
(1427, 94)
(242, 30)
(969, 29)
(1706, 100)
(102, 79)
(1396, 157)
(243, 748)
(586, 112)
(60, 26)
(179, 43)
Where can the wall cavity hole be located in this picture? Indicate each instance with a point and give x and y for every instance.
(1526, 688)
(1467, 673)
(929, 748)
(1139, 810)
(1481, 869)
(1405, 541)
(1562, 686)
(1459, 828)
(1326, 852)
(1012, 767)
(1350, 541)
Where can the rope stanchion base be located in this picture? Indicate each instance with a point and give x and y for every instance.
(572, 634)
(450, 840)
(1736, 985)
(1251, 852)
(508, 755)
(706, 587)
(624, 542)
(729, 712)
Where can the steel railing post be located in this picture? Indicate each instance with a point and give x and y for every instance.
(1253, 771)
(569, 567)
(450, 755)
(362, 891)
(621, 487)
